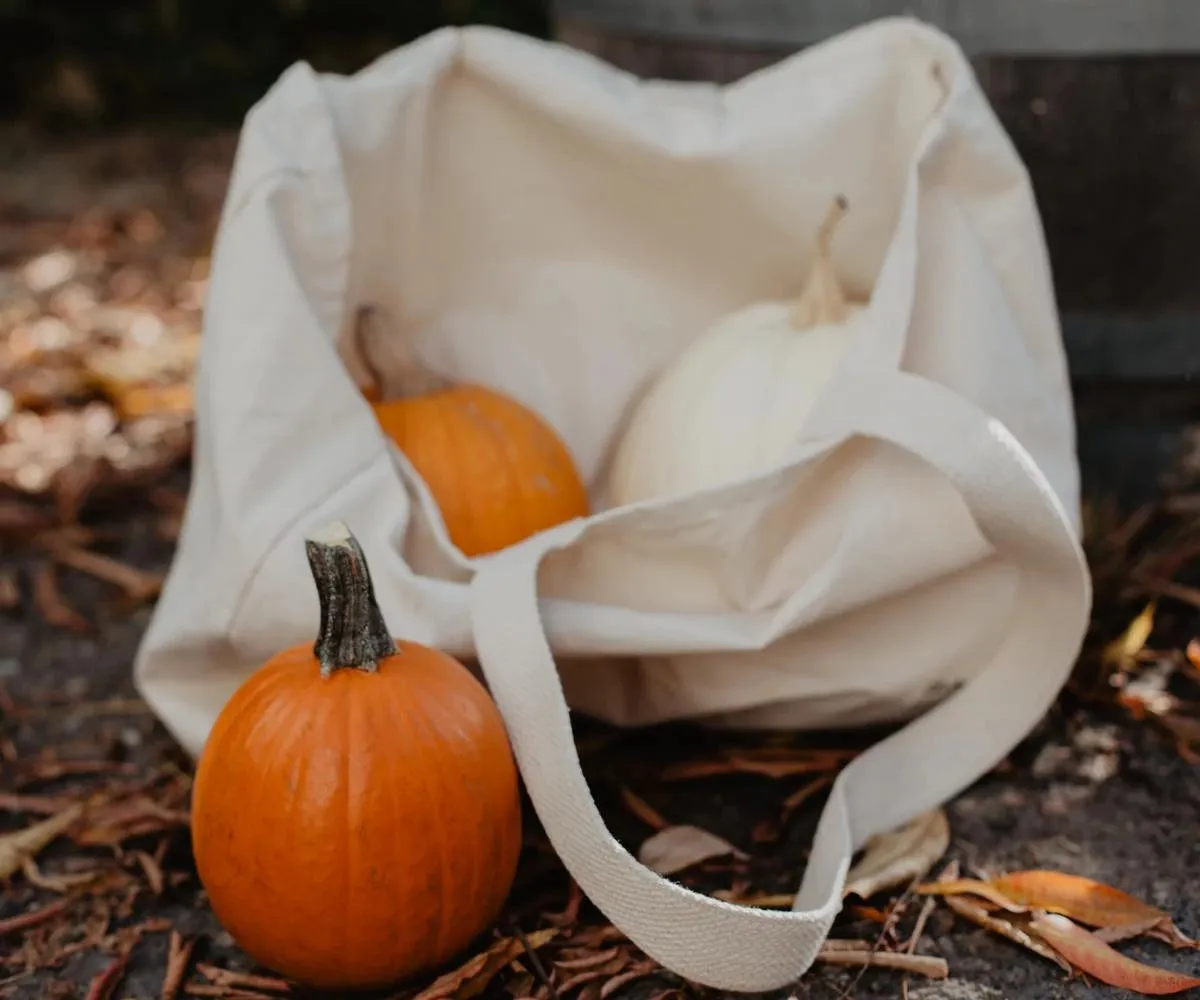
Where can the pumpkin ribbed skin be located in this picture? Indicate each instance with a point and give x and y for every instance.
(360, 828)
(496, 470)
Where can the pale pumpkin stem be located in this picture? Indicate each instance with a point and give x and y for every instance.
(353, 633)
(822, 299)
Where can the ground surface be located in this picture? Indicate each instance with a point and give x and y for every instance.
(1092, 792)
(1136, 828)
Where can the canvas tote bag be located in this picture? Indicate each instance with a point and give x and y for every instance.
(536, 220)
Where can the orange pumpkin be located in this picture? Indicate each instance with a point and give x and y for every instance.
(356, 815)
(497, 471)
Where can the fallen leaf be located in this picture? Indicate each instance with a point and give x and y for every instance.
(51, 770)
(32, 918)
(570, 913)
(17, 846)
(643, 810)
(808, 763)
(21, 518)
(10, 591)
(872, 914)
(679, 847)
(1186, 731)
(971, 887)
(473, 976)
(106, 982)
(228, 992)
(975, 913)
(1091, 955)
(55, 883)
(111, 823)
(50, 603)
(73, 484)
(614, 984)
(763, 900)
(241, 980)
(1088, 902)
(42, 805)
(900, 856)
(179, 953)
(152, 870)
(137, 585)
(594, 937)
(1122, 650)
(613, 966)
(588, 961)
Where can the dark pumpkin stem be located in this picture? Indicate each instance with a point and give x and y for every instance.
(353, 633)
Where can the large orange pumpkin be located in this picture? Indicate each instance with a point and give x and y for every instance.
(356, 815)
(497, 471)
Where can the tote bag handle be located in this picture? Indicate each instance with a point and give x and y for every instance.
(731, 947)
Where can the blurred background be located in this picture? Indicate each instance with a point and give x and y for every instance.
(118, 122)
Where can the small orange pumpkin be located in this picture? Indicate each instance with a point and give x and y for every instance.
(497, 471)
(356, 816)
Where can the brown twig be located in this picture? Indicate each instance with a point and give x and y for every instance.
(24, 921)
(923, 965)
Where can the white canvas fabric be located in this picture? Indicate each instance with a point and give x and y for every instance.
(538, 221)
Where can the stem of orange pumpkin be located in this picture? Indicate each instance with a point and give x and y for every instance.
(353, 633)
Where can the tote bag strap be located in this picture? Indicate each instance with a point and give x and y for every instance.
(738, 948)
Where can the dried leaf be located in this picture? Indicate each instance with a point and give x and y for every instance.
(971, 887)
(51, 605)
(901, 856)
(570, 913)
(32, 918)
(1091, 955)
(178, 956)
(73, 484)
(137, 585)
(19, 518)
(763, 900)
(594, 937)
(588, 961)
(1124, 649)
(1007, 929)
(643, 810)
(1193, 652)
(816, 761)
(152, 870)
(679, 847)
(226, 992)
(17, 846)
(227, 978)
(55, 883)
(117, 821)
(579, 978)
(614, 984)
(10, 592)
(106, 982)
(473, 976)
(1088, 902)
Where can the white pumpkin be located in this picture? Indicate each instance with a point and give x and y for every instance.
(731, 405)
